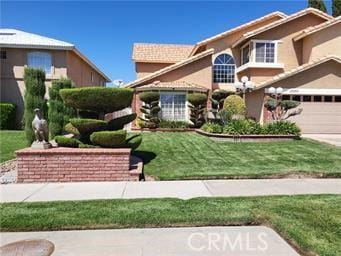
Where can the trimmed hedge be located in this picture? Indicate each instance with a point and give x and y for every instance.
(69, 128)
(7, 116)
(63, 141)
(235, 105)
(86, 126)
(197, 99)
(109, 139)
(118, 123)
(150, 109)
(149, 97)
(134, 141)
(98, 99)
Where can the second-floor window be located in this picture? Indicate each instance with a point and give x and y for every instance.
(41, 60)
(265, 52)
(246, 54)
(224, 69)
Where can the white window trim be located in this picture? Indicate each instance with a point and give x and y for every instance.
(235, 68)
(307, 91)
(186, 104)
(241, 53)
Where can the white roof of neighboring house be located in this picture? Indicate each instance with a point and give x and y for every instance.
(282, 21)
(13, 38)
(297, 70)
(175, 85)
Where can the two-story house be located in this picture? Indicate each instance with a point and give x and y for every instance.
(58, 59)
(300, 53)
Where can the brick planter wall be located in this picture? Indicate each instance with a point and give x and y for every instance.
(74, 164)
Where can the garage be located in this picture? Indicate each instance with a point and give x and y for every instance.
(321, 113)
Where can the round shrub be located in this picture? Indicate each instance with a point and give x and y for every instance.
(109, 139)
(63, 141)
(149, 97)
(98, 99)
(134, 141)
(118, 123)
(197, 99)
(235, 105)
(7, 116)
(86, 126)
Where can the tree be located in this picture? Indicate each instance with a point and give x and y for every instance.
(34, 98)
(59, 113)
(317, 4)
(150, 109)
(281, 109)
(197, 106)
(336, 8)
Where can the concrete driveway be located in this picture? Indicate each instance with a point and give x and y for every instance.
(334, 139)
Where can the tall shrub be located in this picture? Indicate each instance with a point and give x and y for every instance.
(150, 109)
(7, 116)
(336, 8)
(317, 4)
(59, 114)
(34, 98)
(197, 106)
(234, 105)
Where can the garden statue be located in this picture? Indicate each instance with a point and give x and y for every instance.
(41, 131)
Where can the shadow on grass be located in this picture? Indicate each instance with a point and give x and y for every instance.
(146, 156)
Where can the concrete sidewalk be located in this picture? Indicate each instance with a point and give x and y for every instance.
(163, 189)
(237, 241)
(334, 139)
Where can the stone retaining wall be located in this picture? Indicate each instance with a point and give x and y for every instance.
(74, 164)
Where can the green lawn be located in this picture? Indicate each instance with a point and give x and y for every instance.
(311, 222)
(11, 141)
(170, 156)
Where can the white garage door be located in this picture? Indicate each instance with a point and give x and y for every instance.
(321, 114)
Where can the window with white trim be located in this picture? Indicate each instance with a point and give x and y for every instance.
(173, 106)
(40, 60)
(224, 69)
(265, 52)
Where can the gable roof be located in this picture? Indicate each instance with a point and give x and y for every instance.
(281, 22)
(13, 38)
(298, 70)
(169, 68)
(175, 85)
(160, 53)
(319, 27)
(238, 28)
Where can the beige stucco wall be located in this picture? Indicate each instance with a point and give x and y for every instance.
(322, 43)
(142, 68)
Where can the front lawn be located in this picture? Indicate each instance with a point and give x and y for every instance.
(171, 156)
(311, 222)
(11, 141)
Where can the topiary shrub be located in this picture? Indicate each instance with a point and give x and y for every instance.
(119, 122)
(150, 109)
(87, 146)
(63, 141)
(85, 126)
(69, 128)
(98, 99)
(197, 106)
(7, 116)
(109, 139)
(134, 141)
(34, 98)
(281, 109)
(235, 106)
(58, 113)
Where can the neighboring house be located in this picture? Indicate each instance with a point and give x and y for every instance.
(57, 58)
(300, 52)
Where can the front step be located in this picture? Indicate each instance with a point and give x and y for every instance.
(136, 168)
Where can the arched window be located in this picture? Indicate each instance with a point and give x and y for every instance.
(224, 69)
(41, 60)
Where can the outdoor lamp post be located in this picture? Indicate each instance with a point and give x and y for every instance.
(277, 92)
(244, 86)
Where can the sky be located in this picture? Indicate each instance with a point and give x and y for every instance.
(106, 31)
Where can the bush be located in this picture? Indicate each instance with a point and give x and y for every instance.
(289, 104)
(7, 116)
(212, 128)
(134, 141)
(109, 139)
(87, 146)
(197, 107)
(235, 106)
(69, 128)
(34, 98)
(282, 128)
(240, 127)
(118, 123)
(173, 124)
(63, 141)
(59, 114)
(86, 126)
(150, 109)
(218, 97)
(98, 99)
